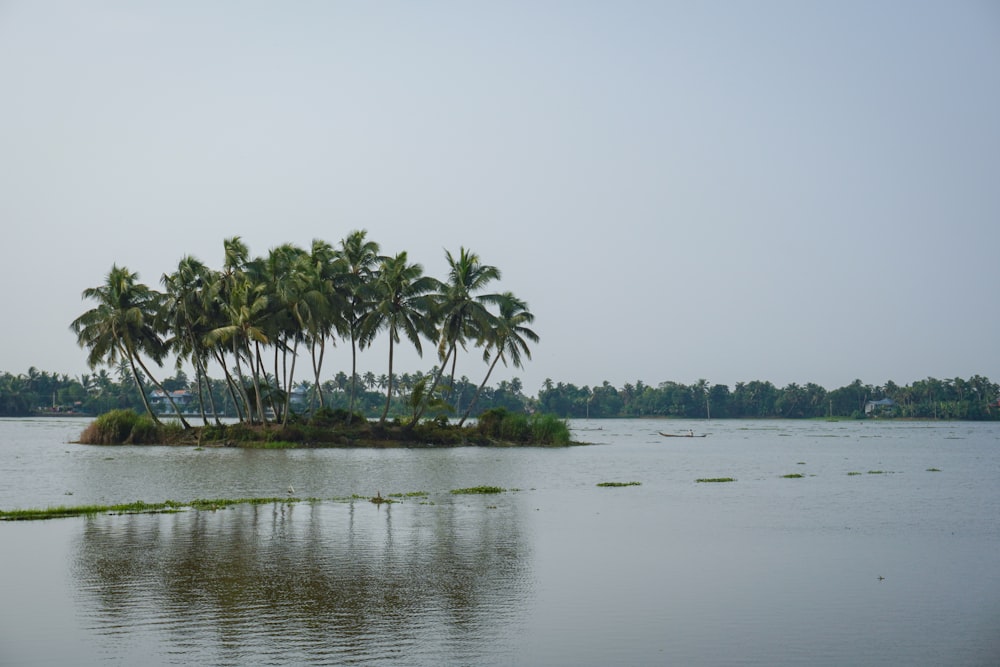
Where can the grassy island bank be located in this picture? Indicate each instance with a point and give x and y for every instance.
(332, 428)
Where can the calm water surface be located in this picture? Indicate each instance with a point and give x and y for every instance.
(557, 571)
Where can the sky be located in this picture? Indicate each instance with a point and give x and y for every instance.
(722, 190)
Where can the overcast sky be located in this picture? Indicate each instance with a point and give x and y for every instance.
(774, 190)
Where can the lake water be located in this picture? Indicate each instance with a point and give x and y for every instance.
(899, 567)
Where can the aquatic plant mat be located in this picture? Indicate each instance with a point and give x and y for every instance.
(138, 507)
(214, 504)
(479, 489)
(200, 504)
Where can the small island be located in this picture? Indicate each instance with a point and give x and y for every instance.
(333, 428)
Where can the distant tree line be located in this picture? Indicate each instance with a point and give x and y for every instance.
(972, 399)
(976, 398)
(39, 392)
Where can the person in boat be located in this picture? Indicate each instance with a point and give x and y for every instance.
(690, 433)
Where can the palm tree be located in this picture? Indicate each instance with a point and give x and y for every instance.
(462, 313)
(359, 257)
(508, 339)
(224, 284)
(121, 327)
(244, 313)
(186, 309)
(326, 316)
(298, 299)
(401, 303)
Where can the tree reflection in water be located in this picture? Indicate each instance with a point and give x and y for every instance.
(308, 581)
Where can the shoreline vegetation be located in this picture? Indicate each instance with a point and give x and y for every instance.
(39, 393)
(333, 428)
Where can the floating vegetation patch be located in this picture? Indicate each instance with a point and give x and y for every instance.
(620, 484)
(853, 473)
(794, 475)
(223, 503)
(138, 507)
(63, 511)
(479, 489)
(801, 463)
(933, 470)
(715, 479)
(211, 504)
(876, 472)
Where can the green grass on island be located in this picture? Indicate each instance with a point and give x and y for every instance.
(333, 428)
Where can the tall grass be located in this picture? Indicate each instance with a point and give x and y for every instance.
(123, 427)
(538, 429)
(549, 430)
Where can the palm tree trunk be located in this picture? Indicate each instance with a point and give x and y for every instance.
(317, 365)
(240, 387)
(288, 385)
(255, 366)
(200, 379)
(451, 381)
(208, 384)
(475, 396)
(211, 396)
(261, 373)
(220, 357)
(354, 375)
(138, 383)
(388, 393)
(437, 378)
(165, 392)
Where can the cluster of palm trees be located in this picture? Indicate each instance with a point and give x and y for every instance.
(256, 316)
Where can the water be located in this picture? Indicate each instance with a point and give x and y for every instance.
(557, 571)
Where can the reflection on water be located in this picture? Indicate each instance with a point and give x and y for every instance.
(306, 583)
(763, 571)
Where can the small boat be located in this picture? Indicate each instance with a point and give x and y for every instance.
(682, 435)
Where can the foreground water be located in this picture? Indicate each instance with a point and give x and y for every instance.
(896, 565)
